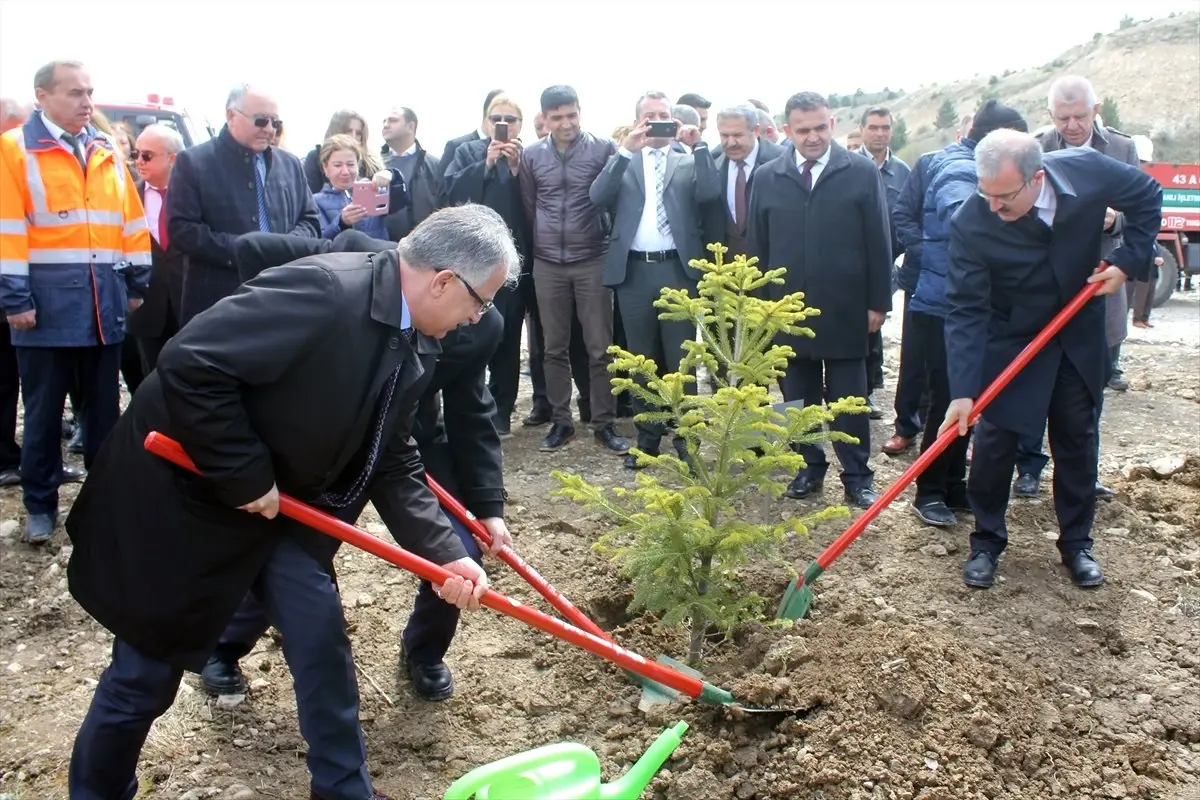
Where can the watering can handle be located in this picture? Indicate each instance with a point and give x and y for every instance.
(584, 762)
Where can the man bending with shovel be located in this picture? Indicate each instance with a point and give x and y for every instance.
(305, 381)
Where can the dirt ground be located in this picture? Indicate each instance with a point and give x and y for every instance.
(903, 683)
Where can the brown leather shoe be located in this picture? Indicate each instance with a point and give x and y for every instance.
(897, 444)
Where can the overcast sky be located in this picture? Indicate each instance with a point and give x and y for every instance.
(441, 58)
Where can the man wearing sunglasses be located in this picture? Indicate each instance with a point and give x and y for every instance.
(236, 183)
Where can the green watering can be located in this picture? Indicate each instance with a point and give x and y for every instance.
(563, 771)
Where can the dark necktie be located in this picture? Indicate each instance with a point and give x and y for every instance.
(806, 175)
(73, 140)
(260, 185)
(163, 239)
(343, 499)
(739, 196)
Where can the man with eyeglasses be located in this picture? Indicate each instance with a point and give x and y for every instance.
(1020, 248)
(236, 183)
(157, 320)
(942, 487)
(306, 383)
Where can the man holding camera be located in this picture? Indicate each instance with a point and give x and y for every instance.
(654, 194)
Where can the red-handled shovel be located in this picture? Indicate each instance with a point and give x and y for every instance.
(531, 575)
(317, 520)
(798, 597)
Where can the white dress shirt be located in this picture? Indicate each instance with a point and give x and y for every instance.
(57, 132)
(817, 168)
(648, 238)
(1046, 203)
(731, 182)
(153, 201)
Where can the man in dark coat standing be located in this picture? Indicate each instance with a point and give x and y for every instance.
(1020, 249)
(230, 185)
(305, 381)
(476, 135)
(821, 213)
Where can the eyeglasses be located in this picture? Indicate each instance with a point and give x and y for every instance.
(484, 305)
(1003, 198)
(511, 119)
(261, 121)
(144, 155)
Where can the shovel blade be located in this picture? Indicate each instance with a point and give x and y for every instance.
(655, 693)
(796, 602)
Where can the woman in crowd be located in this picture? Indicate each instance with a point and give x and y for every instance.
(353, 124)
(341, 159)
(485, 172)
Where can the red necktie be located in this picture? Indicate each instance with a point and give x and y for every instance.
(162, 219)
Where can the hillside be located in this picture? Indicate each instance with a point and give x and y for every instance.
(1151, 69)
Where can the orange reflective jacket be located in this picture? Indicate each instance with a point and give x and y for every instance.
(73, 247)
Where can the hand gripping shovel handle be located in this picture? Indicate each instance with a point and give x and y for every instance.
(947, 436)
(170, 450)
(508, 556)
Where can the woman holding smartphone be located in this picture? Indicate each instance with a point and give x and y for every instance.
(485, 172)
(340, 158)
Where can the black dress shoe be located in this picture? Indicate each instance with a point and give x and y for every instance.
(557, 438)
(73, 474)
(503, 427)
(863, 497)
(874, 413)
(935, 513)
(1118, 384)
(607, 438)
(1103, 492)
(10, 477)
(1085, 569)
(802, 486)
(631, 461)
(75, 446)
(1026, 485)
(980, 570)
(432, 682)
(222, 677)
(540, 415)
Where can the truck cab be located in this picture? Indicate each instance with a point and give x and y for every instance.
(158, 110)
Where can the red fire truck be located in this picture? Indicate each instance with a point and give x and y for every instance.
(1179, 237)
(158, 110)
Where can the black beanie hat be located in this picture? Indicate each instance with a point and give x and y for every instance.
(992, 116)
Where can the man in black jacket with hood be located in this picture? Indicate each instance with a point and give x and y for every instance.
(455, 433)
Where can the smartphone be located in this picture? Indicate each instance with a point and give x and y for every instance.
(375, 200)
(662, 129)
(500, 131)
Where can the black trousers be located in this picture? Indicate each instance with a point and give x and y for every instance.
(149, 347)
(1072, 427)
(912, 395)
(10, 390)
(131, 364)
(1031, 456)
(643, 333)
(47, 375)
(874, 361)
(946, 478)
(301, 601)
(504, 369)
(812, 381)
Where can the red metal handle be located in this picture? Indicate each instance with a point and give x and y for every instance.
(943, 441)
(169, 449)
(519, 565)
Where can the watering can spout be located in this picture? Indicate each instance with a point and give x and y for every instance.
(630, 785)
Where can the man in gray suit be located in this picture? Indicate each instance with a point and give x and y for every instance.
(1073, 108)
(654, 194)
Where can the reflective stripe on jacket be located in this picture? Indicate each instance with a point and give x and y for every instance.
(74, 248)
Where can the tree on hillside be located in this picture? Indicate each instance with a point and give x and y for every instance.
(947, 115)
(1110, 114)
(899, 135)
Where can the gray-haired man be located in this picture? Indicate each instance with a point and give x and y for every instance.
(305, 381)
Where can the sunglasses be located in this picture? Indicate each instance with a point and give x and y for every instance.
(145, 156)
(261, 121)
(509, 118)
(484, 305)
